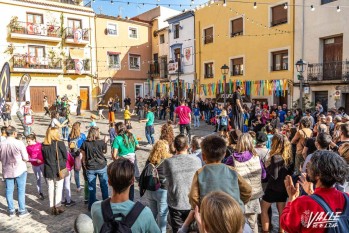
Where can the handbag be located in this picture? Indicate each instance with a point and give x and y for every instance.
(64, 172)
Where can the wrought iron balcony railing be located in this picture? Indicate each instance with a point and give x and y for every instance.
(77, 34)
(26, 61)
(35, 29)
(337, 70)
(70, 64)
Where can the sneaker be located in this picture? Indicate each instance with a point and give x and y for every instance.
(42, 197)
(64, 202)
(71, 203)
(24, 213)
(78, 190)
(149, 145)
(12, 213)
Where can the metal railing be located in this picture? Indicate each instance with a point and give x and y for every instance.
(337, 70)
(154, 68)
(208, 76)
(69, 33)
(70, 64)
(32, 62)
(35, 29)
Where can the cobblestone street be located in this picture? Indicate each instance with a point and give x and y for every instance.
(40, 220)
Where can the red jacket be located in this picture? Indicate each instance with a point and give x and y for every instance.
(303, 214)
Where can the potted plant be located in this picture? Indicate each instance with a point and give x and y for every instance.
(87, 65)
(15, 26)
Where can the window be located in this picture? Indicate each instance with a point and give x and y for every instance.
(112, 29)
(35, 18)
(278, 15)
(134, 62)
(327, 1)
(162, 39)
(114, 60)
(132, 32)
(176, 31)
(208, 33)
(280, 60)
(74, 24)
(237, 27)
(138, 90)
(237, 65)
(209, 70)
(36, 51)
(163, 67)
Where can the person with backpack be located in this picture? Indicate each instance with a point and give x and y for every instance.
(118, 214)
(75, 140)
(152, 183)
(95, 164)
(325, 209)
(223, 123)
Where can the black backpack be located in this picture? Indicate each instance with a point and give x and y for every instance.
(341, 224)
(124, 225)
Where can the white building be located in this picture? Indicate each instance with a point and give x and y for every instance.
(182, 52)
(54, 42)
(322, 40)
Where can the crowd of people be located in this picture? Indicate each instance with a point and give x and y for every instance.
(222, 182)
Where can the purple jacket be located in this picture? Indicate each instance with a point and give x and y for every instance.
(243, 157)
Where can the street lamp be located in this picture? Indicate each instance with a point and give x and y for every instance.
(300, 66)
(225, 71)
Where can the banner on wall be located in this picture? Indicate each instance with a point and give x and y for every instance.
(79, 66)
(106, 85)
(77, 35)
(23, 86)
(172, 67)
(4, 84)
(188, 55)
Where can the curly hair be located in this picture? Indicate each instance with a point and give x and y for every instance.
(167, 134)
(329, 167)
(159, 152)
(280, 145)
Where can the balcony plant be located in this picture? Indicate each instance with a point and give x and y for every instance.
(54, 60)
(15, 26)
(87, 65)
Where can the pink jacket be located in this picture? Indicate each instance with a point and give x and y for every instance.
(35, 154)
(70, 162)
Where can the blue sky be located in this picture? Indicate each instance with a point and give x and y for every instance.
(136, 6)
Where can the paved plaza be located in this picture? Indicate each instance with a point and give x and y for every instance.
(40, 220)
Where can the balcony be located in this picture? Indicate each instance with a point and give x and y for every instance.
(154, 69)
(77, 36)
(78, 67)
(33, 31)
(33, 64)
(208, 75)
(337, 70)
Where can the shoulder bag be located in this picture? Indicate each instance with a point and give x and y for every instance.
(61, 173)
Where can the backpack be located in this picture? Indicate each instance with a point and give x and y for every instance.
(111, 225)
(224, 121)
(149, 179)
(342, 223)
(73, 145)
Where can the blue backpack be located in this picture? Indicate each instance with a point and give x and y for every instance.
(342, 222)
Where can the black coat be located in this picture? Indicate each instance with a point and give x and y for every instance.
(50, 158)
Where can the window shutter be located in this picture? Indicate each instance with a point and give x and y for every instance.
(209, 35)
(237, 26)
(238, 61)
(279, 15)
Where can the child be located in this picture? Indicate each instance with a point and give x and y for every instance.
(127, 117)
(197, 115)
(270, 131)
(3, 134)
(28, 119)
(37, 161)
(112, 132)
(66, 192)
(215, 176)
(93, 121)
(223, 124)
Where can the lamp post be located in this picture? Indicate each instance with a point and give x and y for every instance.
(225, 70)
(301, 65)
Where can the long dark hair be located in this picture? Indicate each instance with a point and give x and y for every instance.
(121, 130)
(93, 134)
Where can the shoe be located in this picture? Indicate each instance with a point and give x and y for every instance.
(149, 145)
(85, 201)
(78, 190)
(42, 197)
(64, 202)
(59, 210)
(12, 213)
(24, 213)
(71, 203)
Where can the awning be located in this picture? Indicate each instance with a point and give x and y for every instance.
(76, 53)
(113, 53)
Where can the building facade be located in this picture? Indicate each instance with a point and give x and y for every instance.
(322, 40)
(54, 42)
(182, 54)
(255, 42)
(124, 54)
(158, 67)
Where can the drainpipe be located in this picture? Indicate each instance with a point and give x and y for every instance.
(302, 57)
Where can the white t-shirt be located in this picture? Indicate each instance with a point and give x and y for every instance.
(54, 122)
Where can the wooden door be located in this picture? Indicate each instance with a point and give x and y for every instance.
(85, 97)
(37, 97)
(332, 58)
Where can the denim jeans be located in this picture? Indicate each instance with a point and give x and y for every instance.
(207, 116)
(196, 121)
(163, 114)
(149, 135)
(65, 132)
(171, 116)
(103, 180)
(10, 187)
(77, 178)
(157, 202)
(140, 114)
(38, 172)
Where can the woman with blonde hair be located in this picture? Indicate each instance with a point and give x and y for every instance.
(154, 194)
(247, 163)
(219, 213)
(279, 165)
(167, 134)
(55, 157)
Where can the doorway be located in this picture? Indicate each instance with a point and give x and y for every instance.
(322, 97)
(85, 97)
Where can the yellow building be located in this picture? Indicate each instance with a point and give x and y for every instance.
(254, 41)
